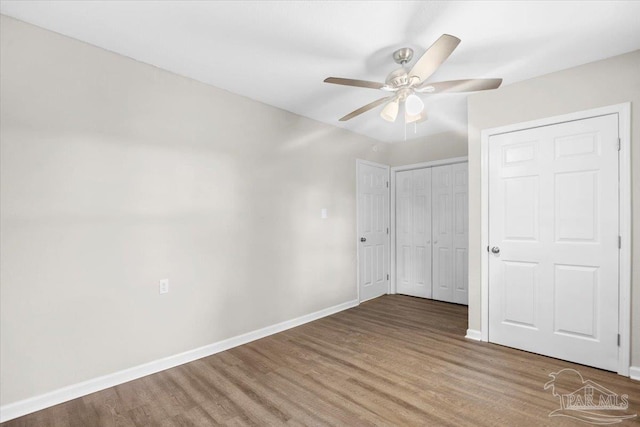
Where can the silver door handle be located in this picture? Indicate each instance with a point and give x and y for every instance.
(495, 250)
(363, 239)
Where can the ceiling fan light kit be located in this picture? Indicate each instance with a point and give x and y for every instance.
(390, 111)
(413, 105)
(406, 85)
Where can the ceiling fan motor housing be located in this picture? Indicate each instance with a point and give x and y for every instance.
(398, 78)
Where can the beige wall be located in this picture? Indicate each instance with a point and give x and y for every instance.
(115, 174)
(611, 81)
(440, 146)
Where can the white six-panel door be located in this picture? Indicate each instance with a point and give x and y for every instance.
(413, 232)
(553, 233)
(373, 223)
(450, 233)
(442, 216)
(460, 232)
(432, 232)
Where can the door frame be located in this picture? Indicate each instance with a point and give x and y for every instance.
(624, 211)
(392, 207)
(387, 167)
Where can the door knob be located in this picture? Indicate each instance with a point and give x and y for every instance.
(363, 239)
(495, 250)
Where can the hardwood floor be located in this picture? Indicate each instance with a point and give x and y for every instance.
(395, 360)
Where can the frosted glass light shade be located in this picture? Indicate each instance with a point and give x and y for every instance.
(390, 111)
(413, 105)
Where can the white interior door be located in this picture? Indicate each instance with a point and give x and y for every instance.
(442, 216)
(373, 229)
(450, 233)
(460, 233)
(553, 232)
(413, 232)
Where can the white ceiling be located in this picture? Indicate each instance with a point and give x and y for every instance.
(279, 52)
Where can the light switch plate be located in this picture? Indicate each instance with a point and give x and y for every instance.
(164, 286)
(323, 213)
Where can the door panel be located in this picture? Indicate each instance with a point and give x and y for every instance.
(575, 296)
(404, 231)
(553, 214)
(460, 230)
(413, 232)
(521, 208)
(422, 233)
(373, 220)
(442, 220)
(576, 206)
(520, 293)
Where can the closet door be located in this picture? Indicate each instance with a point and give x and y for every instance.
(422, 233)
(413, 232)
(460, 233)
(404, 232)
(450, 233)
(442, 216)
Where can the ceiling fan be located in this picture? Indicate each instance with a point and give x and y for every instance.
(405, 85)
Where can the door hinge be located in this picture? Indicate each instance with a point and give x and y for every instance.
(387, 184)
(388, 279)
(487, 248)
(619, 144)
(387, 230)
(618, 340)
(619, 242)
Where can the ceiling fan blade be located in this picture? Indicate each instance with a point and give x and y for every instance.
(366, 108)
(468, 85)
(353, 82)
(437, 53)
(415, 119)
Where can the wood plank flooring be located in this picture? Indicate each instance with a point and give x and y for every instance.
(392, 361)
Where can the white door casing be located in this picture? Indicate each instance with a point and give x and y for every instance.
(553, 235)
(373, 228)
(413, 232)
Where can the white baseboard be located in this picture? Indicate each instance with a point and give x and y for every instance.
(472, 334)
(634, 373)
(33, 404)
